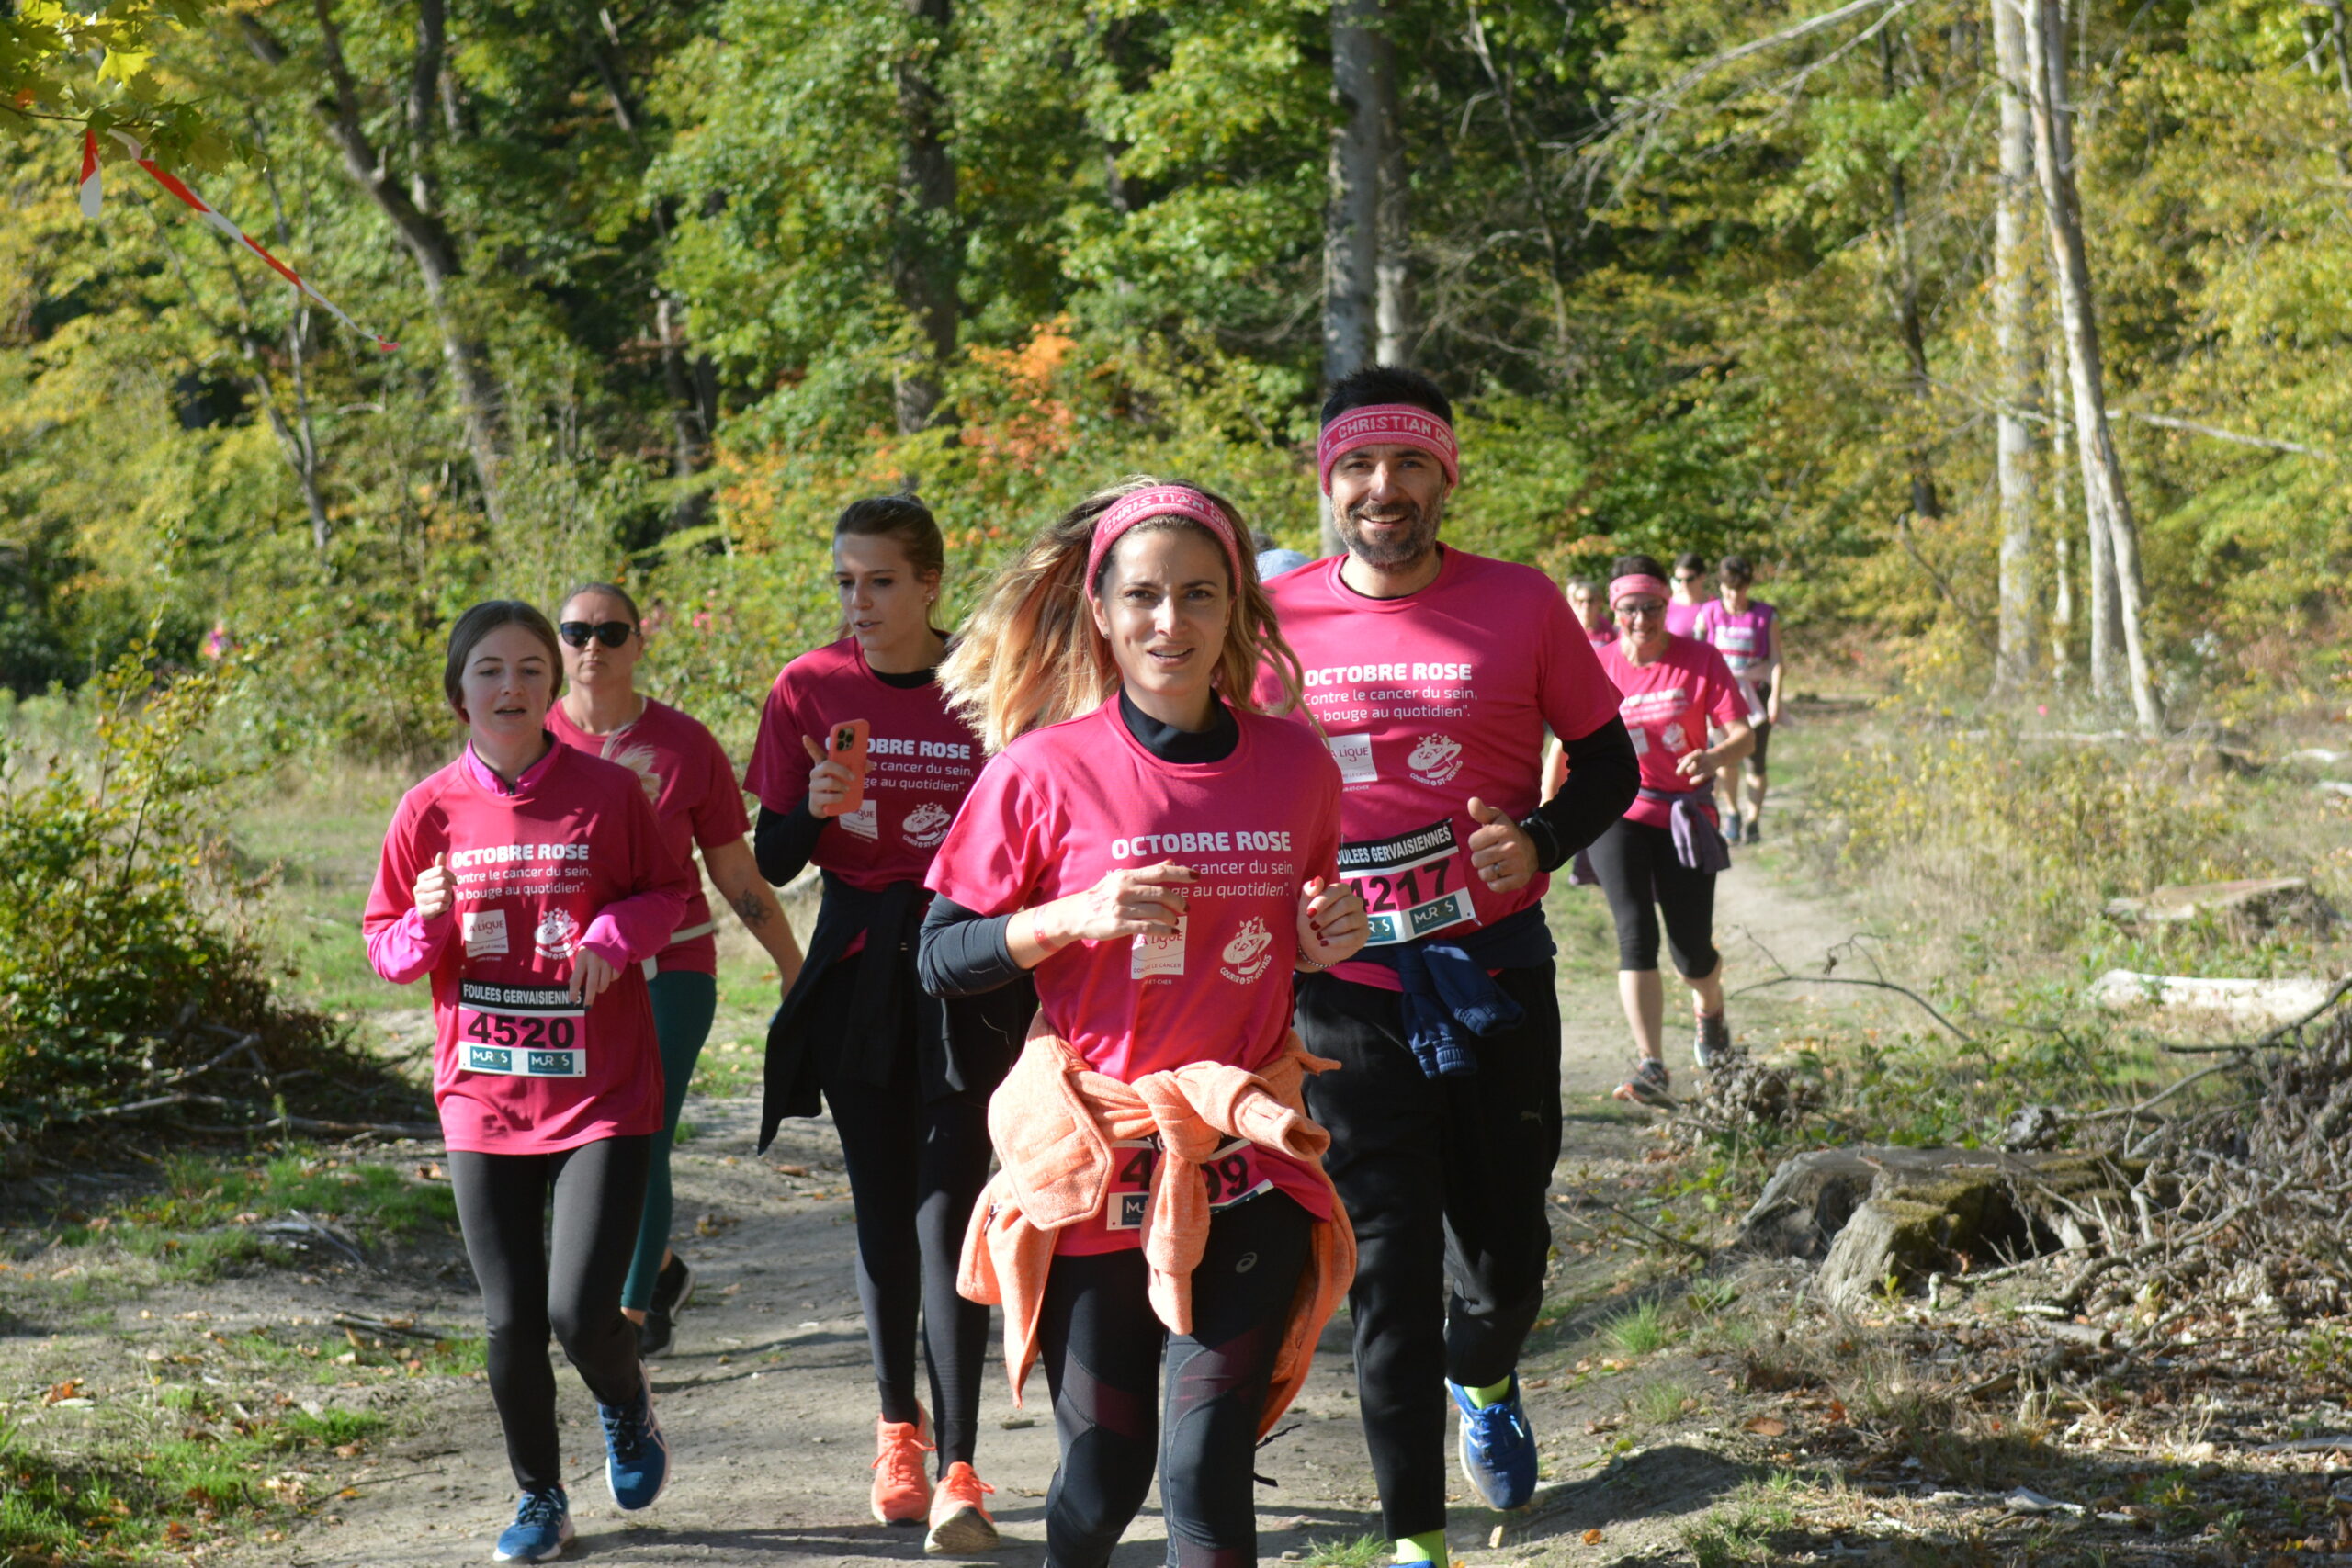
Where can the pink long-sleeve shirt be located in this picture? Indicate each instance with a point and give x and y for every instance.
(570, 857)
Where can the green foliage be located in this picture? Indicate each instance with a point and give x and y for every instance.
(47, 48)
(121, 958)
(1639, 1331)
(1364, 1552)
(194, 1227)
(143, 1493)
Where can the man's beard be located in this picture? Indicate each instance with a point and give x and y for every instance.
(1409, 548)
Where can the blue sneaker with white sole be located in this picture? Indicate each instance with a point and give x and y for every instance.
(1497, 1448)
(542, 1526)
(636, 1456)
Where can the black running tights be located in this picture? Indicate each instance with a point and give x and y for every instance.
(1102, 1348)
(566, 1279)
(1642, 879)
(915, 1171)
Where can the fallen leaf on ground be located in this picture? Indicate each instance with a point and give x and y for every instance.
(1593, 1537)
(59, 1392)
(1766, 1426)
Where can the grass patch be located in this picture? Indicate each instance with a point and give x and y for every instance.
(1640, 1331)
(198, 1223)
(138, 1495)
(1741, 1530)
(729, 1068)
(1364, 1552)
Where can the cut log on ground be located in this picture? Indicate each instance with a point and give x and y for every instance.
(2249, 908)
(2245, 1001)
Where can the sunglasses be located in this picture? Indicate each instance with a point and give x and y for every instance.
(1634, 609)
(611, 634)
(1687, 577)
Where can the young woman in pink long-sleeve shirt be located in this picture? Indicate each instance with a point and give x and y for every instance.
(528, 881)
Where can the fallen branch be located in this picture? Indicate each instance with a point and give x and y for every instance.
(157, 1103)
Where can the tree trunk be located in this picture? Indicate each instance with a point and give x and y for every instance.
(1396, 308)
(2106, 499)
(421, 230)
(1903, 287)
(2013, 337)
(1351, 213)
(926, 269)
(2061, 452)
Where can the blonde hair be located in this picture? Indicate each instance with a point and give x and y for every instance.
(1031, 655)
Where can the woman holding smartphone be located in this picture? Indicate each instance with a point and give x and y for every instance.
(859, 768)
(529, 882)
(691, 782)
(1160, 856)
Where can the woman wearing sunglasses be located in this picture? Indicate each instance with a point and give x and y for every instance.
(1690, 593)
(691, 784)
(907, 1077)
(528, 882)
(1662, 857)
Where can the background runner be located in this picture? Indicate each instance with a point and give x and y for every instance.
(529, 881)
(907, 1079)
(1433, 674)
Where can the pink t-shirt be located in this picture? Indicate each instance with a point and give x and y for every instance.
(573, 858)
(1745, 637)
(687, 777)
(921, 763)
(1666, 706)
(1427, 701)
(1680, 617)
(1063, 806)
(1601, 636)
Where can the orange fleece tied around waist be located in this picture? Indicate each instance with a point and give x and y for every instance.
(1054, 1119)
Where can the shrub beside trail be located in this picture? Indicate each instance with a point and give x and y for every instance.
(131, 985)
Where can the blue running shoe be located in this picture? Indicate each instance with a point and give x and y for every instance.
(542, 1526)
(636, 1456)
(1497, 1450)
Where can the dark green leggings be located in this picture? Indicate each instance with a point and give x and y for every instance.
(684, 1005)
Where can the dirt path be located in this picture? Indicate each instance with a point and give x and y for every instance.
(769, 1399)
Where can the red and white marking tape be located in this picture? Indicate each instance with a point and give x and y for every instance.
(90, 193)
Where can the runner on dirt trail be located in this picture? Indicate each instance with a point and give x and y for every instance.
(1433, 674)
(1161, 854)
(1590, 602)
(530, 882)
(1663, 856)
(1747, 632)
(907, 1080)
(1690, 592)
(687, 777)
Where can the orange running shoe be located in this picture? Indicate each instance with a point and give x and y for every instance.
(961, 1525)
(901, 1490)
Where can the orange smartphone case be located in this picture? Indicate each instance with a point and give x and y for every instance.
(846, 744)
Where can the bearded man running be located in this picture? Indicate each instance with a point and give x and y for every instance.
(1433, 674)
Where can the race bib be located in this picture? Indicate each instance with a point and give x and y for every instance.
(1412, 884)
(523, 1031)
(1232, 1174)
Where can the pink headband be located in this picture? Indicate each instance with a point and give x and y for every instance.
(1387, 424)
(1638, 582)
(1161, 501)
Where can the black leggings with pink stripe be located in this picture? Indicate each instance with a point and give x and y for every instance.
(1101, 1349)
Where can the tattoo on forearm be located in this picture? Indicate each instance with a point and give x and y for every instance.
(752, 907)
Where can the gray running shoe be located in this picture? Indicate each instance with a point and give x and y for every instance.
(1648, 1086)
(1713, 1041)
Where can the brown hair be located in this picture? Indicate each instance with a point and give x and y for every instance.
(1736, 572)
(899, 517)
(1031, 655)
(635, 621)
(478, 623)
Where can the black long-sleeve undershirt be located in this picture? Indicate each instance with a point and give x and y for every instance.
(1603, 776)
